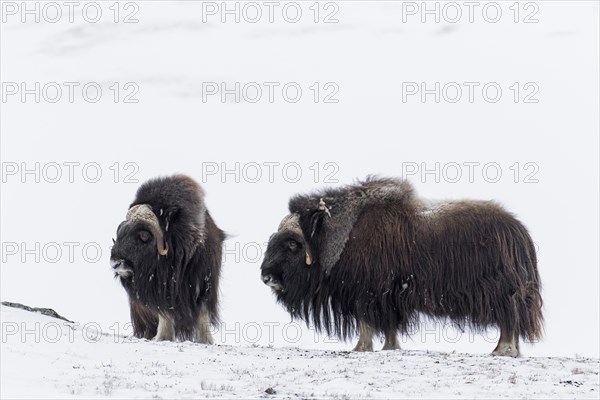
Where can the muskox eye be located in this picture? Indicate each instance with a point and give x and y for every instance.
(292, 245)
(144, 236)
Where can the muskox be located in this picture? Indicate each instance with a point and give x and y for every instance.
(374, 257)
(167, 256)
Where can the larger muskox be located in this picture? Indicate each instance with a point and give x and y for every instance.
(168, 258)
(373, 257)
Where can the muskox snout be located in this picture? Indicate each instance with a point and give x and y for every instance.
(120, 267)
(267, 279)
(270, 280)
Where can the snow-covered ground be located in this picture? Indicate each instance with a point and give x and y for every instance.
(49, 358)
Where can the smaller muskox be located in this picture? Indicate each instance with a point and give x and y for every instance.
(374, 257)
(168, 258)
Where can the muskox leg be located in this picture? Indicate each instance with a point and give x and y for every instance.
(508, 345)
(143, 319)
(391, 341)
(166, 329)
(202, 333)
(365, 338)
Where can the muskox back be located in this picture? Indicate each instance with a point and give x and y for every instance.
(381, 256)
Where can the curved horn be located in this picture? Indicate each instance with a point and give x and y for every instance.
(144, 213)
(291, 222)
(309, 259)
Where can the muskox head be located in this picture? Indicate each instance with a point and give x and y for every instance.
(307, 243)
(287, 254)
(163, 228)
(139, 238)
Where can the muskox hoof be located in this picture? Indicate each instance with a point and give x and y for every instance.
(362, 347)
(391, 341)
(204, 338)
(391, 346)
(506, 350)
(160, 338)
(165, 329)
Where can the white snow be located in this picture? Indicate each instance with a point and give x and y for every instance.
(62, 362)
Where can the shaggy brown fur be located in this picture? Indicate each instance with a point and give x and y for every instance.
(143, 319)
(180, 287)
(383, 256)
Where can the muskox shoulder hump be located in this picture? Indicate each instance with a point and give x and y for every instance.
(372, 190)
(175, 190)
(176, 197)
(328, 216)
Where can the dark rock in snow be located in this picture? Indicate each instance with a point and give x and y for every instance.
(45, 311)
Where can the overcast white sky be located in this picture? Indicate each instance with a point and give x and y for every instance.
(519, 99)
